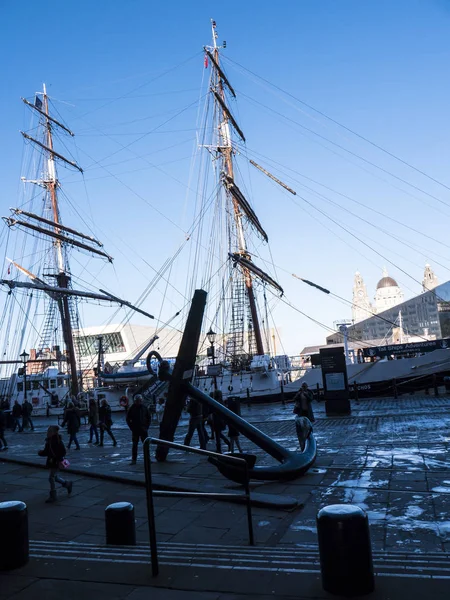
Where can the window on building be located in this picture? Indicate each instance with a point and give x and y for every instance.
(60, 382)
(35, 385)
(111, 342)
(28, 386)
(52, 384)
(20, 387)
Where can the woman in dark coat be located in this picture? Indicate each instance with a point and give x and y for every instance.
(93, 421)
(55, 452)
(73, 421)
(302, 403)
(106, 422)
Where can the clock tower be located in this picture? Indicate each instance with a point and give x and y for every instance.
(430, 281)
(361, 308)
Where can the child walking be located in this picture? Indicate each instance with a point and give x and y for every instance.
(55, 452)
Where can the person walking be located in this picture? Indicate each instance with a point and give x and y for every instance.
(302, 403)
(55, 451)
(16, 414)
(105, 422)
(27, 410)
(138, 420)
(3, 442)
(219, 425)
(195, 423)
(93, 421)
(159, 409)
(233, 433)
(73, 421)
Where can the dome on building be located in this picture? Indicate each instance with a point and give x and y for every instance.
(386, 282)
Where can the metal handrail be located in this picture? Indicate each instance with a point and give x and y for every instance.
(220, 496)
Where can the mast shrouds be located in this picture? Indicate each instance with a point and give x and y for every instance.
(245, 321)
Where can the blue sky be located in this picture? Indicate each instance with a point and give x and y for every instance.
(379, 67)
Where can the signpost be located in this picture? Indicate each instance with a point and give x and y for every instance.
(335, 384)
(416, 347)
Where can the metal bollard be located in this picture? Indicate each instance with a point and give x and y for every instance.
(120, 524)
(14, 530)
(355, 392)
(345, 550)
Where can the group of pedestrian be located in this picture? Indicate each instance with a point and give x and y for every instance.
(22, 411)
(18, 412)
(99, 419)
(200, 416)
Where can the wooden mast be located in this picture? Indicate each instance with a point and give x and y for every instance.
(227, 152)
(62, 278)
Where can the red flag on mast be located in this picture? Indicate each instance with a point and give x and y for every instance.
(206, 62)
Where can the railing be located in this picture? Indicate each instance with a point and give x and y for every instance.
(209, 495)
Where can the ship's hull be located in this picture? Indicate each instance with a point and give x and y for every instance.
(386, 378)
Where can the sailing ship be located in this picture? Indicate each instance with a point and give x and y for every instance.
(49, 375)
(239, 360)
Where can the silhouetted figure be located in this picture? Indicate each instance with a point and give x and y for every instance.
(55, 451)
(195, 424)
(27, 410)
(302, 403)
(138, 420)
(93, 421)
(105, 422)
(233, 433)
(16, 414)
(219, 424)
(3, 442)
(72, 420)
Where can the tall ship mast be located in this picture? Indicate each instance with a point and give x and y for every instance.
(241, 313)
(46, 248)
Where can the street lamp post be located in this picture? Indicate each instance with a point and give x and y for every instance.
(24, 357)
(211, 353)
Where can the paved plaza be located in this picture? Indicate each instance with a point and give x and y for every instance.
(391, 457)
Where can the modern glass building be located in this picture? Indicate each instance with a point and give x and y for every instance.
(425, 316)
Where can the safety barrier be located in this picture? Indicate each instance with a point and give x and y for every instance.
(179, 494)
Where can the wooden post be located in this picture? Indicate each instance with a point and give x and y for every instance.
(183, 370)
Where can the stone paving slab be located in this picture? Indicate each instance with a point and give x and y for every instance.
(391, 457)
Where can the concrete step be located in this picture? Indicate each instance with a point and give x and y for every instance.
(283, 560)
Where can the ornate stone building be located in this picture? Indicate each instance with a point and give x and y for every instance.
(388, 294)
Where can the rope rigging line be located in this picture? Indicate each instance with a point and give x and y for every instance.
(403, 191)
(144, 135)
(140, 86)
(336, 122)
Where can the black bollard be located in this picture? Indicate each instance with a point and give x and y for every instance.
(394, 385)
(355, 392)
(345, 550)
(14, 532)
(120, 525)
(435, 385)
